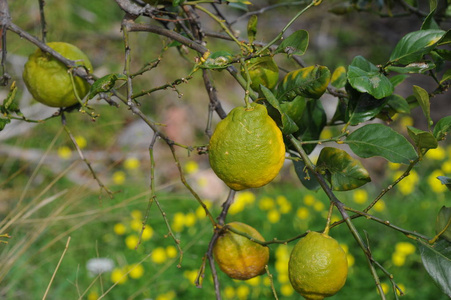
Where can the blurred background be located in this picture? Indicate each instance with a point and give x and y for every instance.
(47, 193)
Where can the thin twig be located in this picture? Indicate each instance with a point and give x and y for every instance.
(56, 269)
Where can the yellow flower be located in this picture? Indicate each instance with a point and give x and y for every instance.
(405, 248)
(202, 181)
(284, 204)
(266, 203)
(302, 213)
(318, 206)
(119, 228)
(190, 219)
(131, 163)
(136, 271)
(93, 295)
(246, 196)
(385, 288)
(136, 225)
(190, 275)
(132, 241)
(408, 184)
(242, 291)
(266, 281)
(119, 276)
(379, 206)
(446, 167)
(273, 216)
(178, 222)
(229, 292)
(118, 177)
(147, 233)
(393, 166)
(253, 281)
(159, 255)
(398, 259)
(136, 214)
(360, 196)
(81, 141)
(281, 266)
(282, 252)
(435, 184)
(171, 251)
(286, 290)
(345, 248)
(334, 219)
(167, 296)
(309, 200)
(402, 287)
(191, 167)
(200, 211)
(351, 260)
(64, 152)
(283, 278)
(438, 153)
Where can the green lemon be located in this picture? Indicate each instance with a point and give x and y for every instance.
(48, 79)
(247, 149)
(239, 257)
(318, 266)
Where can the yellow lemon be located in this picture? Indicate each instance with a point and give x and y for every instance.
(239, 257)
(48, 79)
(246, 149)
(318, 266)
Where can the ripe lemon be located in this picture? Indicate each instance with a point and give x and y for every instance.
(318, 266)
(48, 79)
(246, 149)
(239, 257)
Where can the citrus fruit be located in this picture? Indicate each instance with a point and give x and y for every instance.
(318, 266)
(262, 70)
(48, 79)
(246, 149)
(239, 257)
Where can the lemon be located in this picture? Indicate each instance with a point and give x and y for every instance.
(318, 266)
(48, 79)
(239, 257)
(246, 149)
(262, 70)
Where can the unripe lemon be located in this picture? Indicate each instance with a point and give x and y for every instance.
(48, 79)
(318, 266)
(239, 257)
(246, 149)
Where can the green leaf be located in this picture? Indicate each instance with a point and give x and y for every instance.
(422, 97)
(398, 79)
(338, 78)
(429, 22)
(105, 84)
(446, 76)
(10, 104)
(362, 106)
(343, 172)
(312, 124)
(3, 123)
(295, 44)
(446, 181)
(307, 180)
(413, 68)
(366, 78)
(294, 109)
(437, 262)
(252, 28)
(414, 45)
(218, 60)
(398, 104)
(380, 140)
(240, 6)
(442, 127)
(285, 122)
(443, 221)
(422, 139)
(309, 82)
(446, 39)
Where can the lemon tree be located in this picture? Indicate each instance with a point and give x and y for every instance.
(247, 149)
(238, 256)
(48, 79)
(318, 267)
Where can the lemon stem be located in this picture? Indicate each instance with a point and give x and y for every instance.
(329, 215)
(248, 83)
